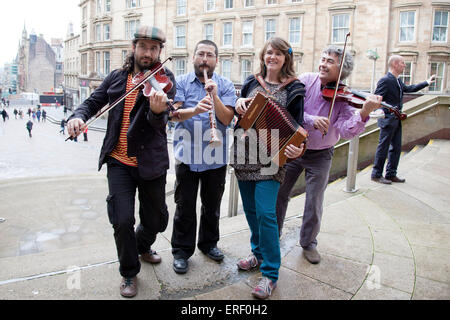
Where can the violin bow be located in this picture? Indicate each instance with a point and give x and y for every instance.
(338, 80)
(147, 75)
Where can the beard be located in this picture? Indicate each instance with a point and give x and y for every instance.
(199, 72)
(144, 64)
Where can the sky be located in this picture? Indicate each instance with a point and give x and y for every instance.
(48, 17)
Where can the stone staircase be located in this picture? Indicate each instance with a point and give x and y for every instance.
(381, 242)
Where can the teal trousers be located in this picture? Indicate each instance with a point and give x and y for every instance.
(259, 199)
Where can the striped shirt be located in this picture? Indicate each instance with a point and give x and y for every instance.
(120, 151)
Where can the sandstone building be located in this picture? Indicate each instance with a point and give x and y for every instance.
(417, 30)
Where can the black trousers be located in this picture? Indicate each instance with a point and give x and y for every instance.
(153, 215)
(212, 185)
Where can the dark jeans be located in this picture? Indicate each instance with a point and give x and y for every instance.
(317, 164)
(153, 215)
(390, 146)
(212, 185)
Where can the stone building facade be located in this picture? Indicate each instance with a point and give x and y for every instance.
(71, 69)
(417, 30)
(37, 63)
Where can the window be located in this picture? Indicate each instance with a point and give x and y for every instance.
(294, 30)
(180, 67)
(340, 28)
(437, 68)
(296, 1)
(247, 33)
(407, 25)
(226, 68)
(440, 26)
(124, 55)
(270, 27)
(98, 9)
(271, 1)
(107, 5)
(246, 69)
(84, 36)
(181, 7)
(210, 5)
(407, 73)
(180, 36)
(84, 13)
(106, 62)
(130, 28)
(130, 4)
(228, 4)
(249, 3)
(84, 63)
(98, 32)
(227, 34)
(106, 32)
(98, 63)
(208, 31)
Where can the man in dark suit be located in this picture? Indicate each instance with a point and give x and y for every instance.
(391, 88)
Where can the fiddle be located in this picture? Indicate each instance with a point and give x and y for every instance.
(140, 83)
(355, 98)
(159, 81)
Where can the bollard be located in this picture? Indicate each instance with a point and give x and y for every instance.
(352, 165)
(233, 196)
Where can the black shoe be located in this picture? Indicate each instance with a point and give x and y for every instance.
(180, 266)
(215, 254)
(381, 180)
(396, 179)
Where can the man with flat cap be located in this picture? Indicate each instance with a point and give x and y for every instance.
(135, 152)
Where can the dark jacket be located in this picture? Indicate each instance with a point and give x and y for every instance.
(146, 137)
(296, 93)
(392, 93)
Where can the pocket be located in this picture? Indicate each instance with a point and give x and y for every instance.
(111, 209)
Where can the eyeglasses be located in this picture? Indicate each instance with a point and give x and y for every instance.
(208, 55)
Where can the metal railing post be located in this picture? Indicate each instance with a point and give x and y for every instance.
(233, 196)
(352, 165)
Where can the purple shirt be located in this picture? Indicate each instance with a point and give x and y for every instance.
(345, 120)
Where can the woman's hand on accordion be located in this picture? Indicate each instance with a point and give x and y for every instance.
(241, 105)
(293, 151)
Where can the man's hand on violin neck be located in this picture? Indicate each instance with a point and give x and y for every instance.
(75, 127)
(372, 103)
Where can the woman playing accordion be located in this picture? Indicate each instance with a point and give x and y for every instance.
(258, 176)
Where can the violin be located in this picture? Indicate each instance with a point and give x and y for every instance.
(155, 77)
(355, 98)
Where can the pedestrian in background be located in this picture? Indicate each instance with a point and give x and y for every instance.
(29, 127)
(63, 124)
(44, 116)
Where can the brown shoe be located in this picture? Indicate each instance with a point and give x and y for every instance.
(396, 179)
(312, 255)
(151, 257)
(381, 180)
(128, 287)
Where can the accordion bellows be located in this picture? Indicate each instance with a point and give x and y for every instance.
(264, 116)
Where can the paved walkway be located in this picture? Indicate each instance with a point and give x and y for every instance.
(382, 242)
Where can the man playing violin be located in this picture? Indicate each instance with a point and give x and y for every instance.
(391, 88)
(135, 151)
(199, 165)
(324, 132)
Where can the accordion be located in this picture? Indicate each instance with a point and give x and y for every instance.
(264, 116)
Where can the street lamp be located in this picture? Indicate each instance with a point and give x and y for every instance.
(372, 55)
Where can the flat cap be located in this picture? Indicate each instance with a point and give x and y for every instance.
(151, 33)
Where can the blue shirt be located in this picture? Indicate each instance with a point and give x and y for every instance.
(192, 136)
